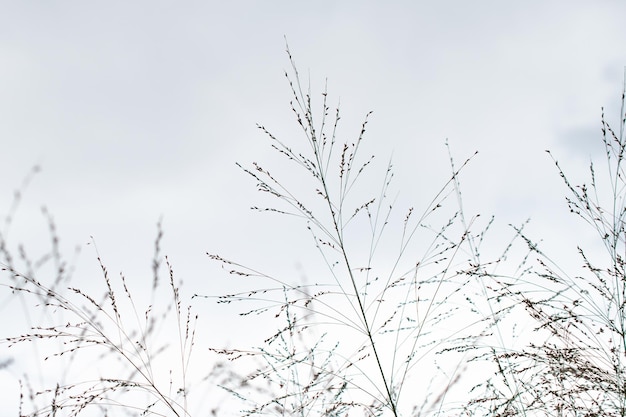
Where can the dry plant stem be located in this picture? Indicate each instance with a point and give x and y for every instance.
(409, 326)
(147, 375)
(88, 326)
(186, 342)
(337, 218)
(366, 325)
(88, 319)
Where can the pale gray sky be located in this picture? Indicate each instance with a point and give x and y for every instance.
(137, 110)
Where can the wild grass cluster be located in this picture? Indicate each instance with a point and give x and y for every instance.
(409, 317)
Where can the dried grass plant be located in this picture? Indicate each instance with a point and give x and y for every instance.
(574, 364)
(356, 340)
(96, 354)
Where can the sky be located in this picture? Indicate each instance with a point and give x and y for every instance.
(138, 111)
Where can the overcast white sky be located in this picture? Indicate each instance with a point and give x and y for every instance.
(137, 110)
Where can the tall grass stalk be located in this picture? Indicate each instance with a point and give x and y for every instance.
(356, 338)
